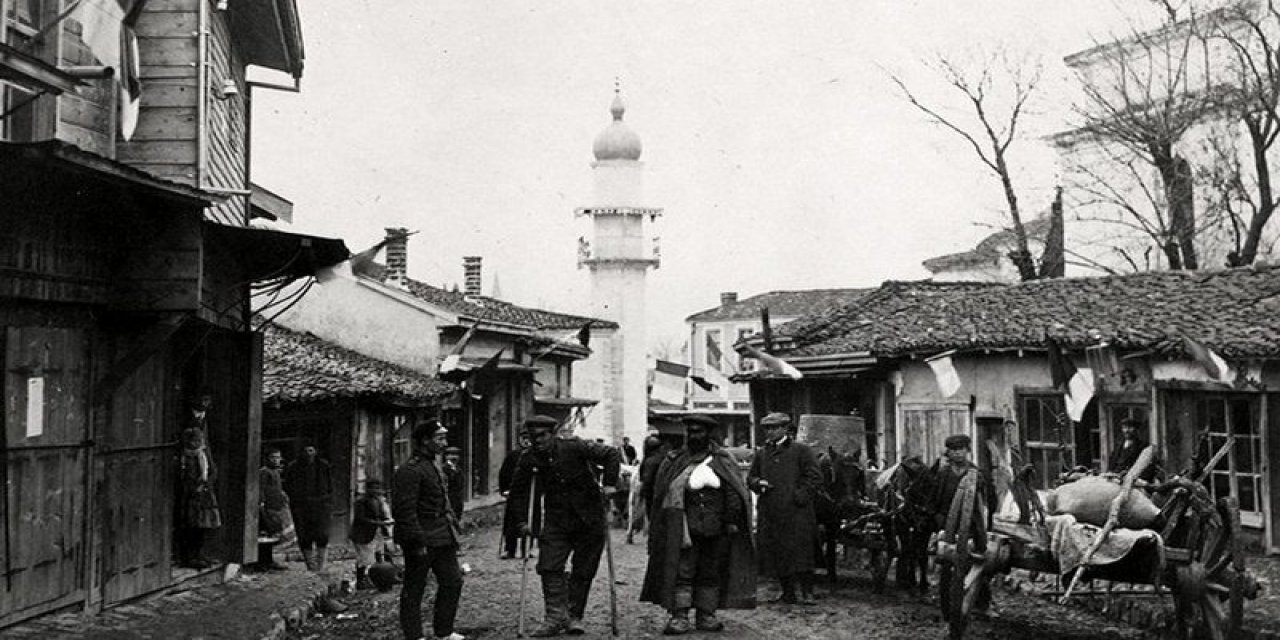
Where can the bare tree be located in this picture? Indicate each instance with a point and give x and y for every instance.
(995, 99)
(1143, 94)
(1245, 36)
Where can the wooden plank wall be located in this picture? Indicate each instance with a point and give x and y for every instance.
(86, 117)
(164, 143)
(43, 510)
(228, 143)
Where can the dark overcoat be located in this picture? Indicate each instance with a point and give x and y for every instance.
(420, 506)
(566, 483)
(787, 528)
(666, 533)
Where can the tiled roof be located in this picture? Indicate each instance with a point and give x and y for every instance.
(485, 308)
(1234, 312)
(299, 367)
(781, 303)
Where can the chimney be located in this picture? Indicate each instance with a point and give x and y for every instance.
(397, 246)
(471, 275)
(728, 298)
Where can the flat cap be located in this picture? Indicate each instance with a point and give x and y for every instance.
(705, 421)
(775, 418)
(540, 423)
(958, 441)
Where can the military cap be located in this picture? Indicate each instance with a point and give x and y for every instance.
(706, 422)
(777, 418)
(540, 423)
(958, 441)
(428, 429)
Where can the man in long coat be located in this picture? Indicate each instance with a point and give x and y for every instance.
(309, 482)
(700, 551)
(573, 519)
(510, 517)
(785, 475)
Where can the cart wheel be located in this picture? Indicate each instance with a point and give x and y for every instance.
(879, 569)
(956, 603)
(1211, 589)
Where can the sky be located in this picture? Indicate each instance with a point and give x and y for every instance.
(782, 154)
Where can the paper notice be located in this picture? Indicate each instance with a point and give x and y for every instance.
(35, 406)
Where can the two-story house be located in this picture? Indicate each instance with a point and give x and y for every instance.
(126, 271)
(713, 361)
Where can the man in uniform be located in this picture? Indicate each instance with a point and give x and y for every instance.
(573, 519)
(427, 532)
(700, 552)
(785, 475)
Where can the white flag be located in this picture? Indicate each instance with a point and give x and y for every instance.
(945, 373)
(1079, 393)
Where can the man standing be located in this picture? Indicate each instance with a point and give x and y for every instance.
(573, 518)
(944, 481)
(1127, 453)
(273, 509)
(309, 483)
(785, 475)
(510, 518)
(427, 532)
(628, 452)
(700, 552)
(198, 513)
(453, 474)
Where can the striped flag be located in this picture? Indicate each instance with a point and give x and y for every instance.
(1213, 364)
(775, 364)
(944, 372)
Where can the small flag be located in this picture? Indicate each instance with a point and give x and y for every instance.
(1061, 368)
(1102, 359)
(669, 382)
(774, 363)
(1213, 364)
(453, 361)
(584, 334)
(478, 383)
(1079, 393)
(714, 355)
(703, 383)
(944, 372)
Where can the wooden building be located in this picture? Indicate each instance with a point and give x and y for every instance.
(1134, 337)
(125, 275)
(358, 411)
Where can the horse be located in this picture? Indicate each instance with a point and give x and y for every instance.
(838, 498)
(904, 493)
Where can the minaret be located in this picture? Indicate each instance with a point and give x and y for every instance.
(619, 254)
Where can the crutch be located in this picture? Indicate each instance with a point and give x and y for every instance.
(524, 563)
(613, 574)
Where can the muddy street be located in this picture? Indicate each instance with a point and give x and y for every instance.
(490, 604)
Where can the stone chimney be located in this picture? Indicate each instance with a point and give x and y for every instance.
(471, 275)
(728, 298)
(397, 247)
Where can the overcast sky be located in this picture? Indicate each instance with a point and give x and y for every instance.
(783, 156)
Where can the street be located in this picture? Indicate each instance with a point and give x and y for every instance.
(490, 603)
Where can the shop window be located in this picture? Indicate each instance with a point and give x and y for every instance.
(1048, 436)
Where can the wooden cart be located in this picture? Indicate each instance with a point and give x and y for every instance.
(1203, 566)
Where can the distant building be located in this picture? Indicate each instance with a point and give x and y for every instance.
(989, 260)
(713, 332)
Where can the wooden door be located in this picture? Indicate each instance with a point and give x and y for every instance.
(45, 457)
(136, 487)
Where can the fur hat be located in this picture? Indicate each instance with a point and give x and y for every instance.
(958, 441)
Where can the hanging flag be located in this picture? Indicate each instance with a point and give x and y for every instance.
(944, 372)
(480, 382)
(669, 382)
(1079, 393)
(1102, 359)
(703, 383)
(714, 355)
(584, 334)
(453, 361)
(130, 83)
(1061, 368)
(1213, 364)
(775, 364)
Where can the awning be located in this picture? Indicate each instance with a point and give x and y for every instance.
(565, 402)
(263, 254)
(270, 33)
(71, 160)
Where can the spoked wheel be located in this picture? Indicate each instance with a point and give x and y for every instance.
(957, 590)
(1210, 589)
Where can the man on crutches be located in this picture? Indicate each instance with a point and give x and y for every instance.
(574, 522)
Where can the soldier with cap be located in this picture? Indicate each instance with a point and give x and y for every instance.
(785, 475)
(700, 551)
(573, 518)
(427, 532)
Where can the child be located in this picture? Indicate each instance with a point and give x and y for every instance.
(370, 531)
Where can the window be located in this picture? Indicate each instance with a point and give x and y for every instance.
(1048, 436)
(20, 105)
(1220, 416)
(745, 363)
(1116, 414)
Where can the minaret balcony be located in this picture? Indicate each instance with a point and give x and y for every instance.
(595, 212)
(642, 263)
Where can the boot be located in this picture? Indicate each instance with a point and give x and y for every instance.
(575, 628)
(362, 578)
(788, 591)
(678, 623)
(578, 591)
(555, 592)
(705, 600)
(322, 558)
(806, 591)
(309, 557)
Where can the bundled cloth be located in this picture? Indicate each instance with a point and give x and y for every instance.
(1089, 500)
(1069, 542)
